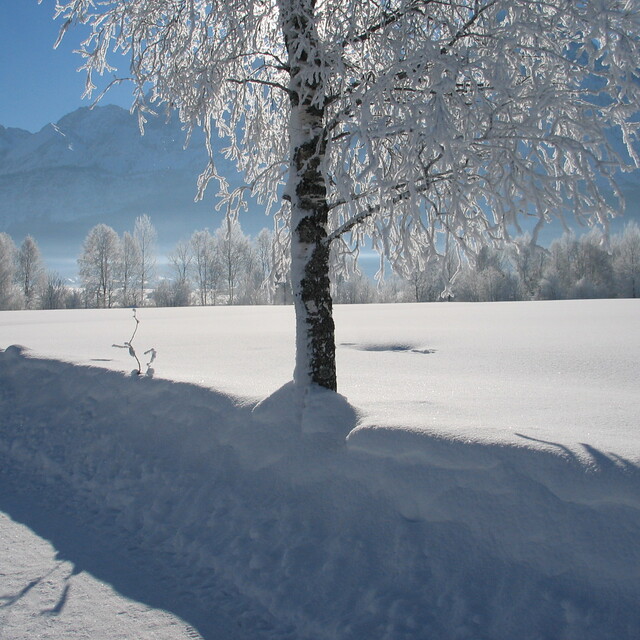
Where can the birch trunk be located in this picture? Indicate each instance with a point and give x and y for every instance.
(315, 341)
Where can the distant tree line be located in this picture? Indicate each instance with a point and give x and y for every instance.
(223, 267)
(572, 267)
(228, 267)
(24, 283)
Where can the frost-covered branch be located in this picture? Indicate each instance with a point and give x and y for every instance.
(387, 19)
(132, 352)
(129, 344)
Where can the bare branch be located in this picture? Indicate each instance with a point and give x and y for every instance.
(266, 83)
(388, 19)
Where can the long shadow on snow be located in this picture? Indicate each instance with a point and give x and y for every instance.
(111, 469)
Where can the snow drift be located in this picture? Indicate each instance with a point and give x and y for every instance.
(252, 527)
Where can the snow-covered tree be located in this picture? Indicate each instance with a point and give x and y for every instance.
(145, 235)
(558, 278)
(593, 268)
(406, 122)
(578, 268)
(180, 259)
(53, 292)
(626, 261)
(264, 249)
(178, 292)
(234, 250)
(487, 279)
(426, 283)
(99, 266)
(9, 296)
(354, 288)
(30, 270)
(174, 293)
(75, 299)
(528, 260)
(131, 293)
(206, 266)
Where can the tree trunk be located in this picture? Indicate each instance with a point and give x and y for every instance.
(306, 189)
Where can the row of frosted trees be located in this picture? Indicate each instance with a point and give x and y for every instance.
(224, 267)
(228, 267)
(118, 271)
(572, 267)
(112, 271)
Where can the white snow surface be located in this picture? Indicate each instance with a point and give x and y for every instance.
(478, 478)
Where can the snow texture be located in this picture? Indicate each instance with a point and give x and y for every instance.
(481, 481)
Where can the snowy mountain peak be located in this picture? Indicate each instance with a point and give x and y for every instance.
(107, 138)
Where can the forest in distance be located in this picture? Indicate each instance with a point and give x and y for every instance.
(228, 267)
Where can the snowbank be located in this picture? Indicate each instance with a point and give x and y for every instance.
(250, 527)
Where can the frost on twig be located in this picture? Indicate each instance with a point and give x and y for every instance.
(132, 352)
(152, 357)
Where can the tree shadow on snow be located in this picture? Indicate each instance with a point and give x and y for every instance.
(186, 500)
(121, 474)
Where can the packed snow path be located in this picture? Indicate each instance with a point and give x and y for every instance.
(217, 508)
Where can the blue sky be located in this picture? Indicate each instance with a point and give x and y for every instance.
(38, 84)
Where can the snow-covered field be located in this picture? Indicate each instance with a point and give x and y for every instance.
(480, 478)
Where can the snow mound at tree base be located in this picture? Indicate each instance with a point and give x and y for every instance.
(396, 534)
(313, 412)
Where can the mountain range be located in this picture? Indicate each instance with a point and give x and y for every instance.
(93, 166)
